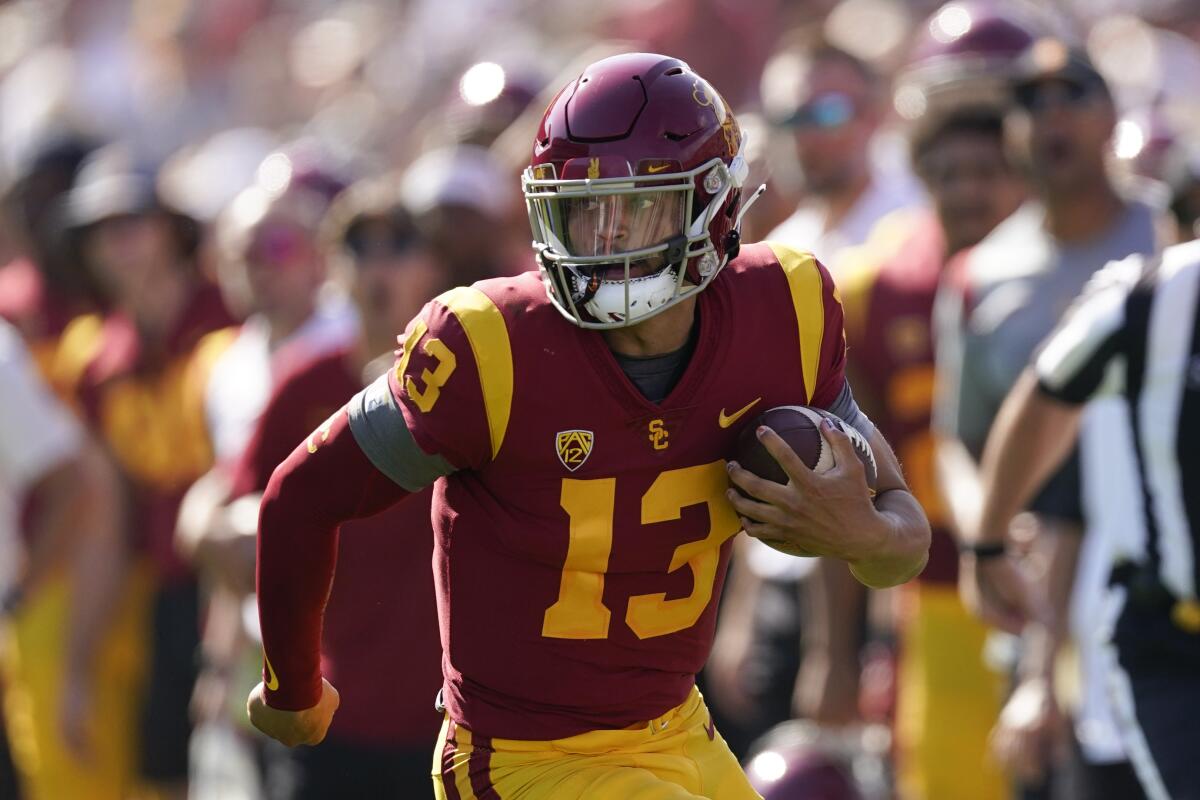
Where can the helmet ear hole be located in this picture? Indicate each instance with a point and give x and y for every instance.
(733, 244)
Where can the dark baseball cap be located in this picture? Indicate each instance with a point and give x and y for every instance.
(1051, 59)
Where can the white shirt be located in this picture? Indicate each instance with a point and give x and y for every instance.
(241, 380)
(808, 227)
(36, 434)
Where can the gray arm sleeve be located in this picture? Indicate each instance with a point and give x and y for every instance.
(845, 407)
(379, 428)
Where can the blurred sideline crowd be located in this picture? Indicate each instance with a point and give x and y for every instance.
(217, 216)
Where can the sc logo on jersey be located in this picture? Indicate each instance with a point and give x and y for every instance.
(658, 435)
(574, 447)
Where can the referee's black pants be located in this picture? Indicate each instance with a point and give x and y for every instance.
(1155, 682)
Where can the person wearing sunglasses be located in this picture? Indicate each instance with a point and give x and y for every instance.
(1001, 298)
(830, 103)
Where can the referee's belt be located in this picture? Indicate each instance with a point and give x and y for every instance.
(1147, 592)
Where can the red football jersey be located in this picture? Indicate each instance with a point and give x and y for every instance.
(380, 640)
(889, 294)
(581, 547)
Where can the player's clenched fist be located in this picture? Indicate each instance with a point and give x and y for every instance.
(293, 727)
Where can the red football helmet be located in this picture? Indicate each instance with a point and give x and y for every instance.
(798, 760)
(634, 189)
(963, 52)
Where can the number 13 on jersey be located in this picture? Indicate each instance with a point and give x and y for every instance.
(580, 612)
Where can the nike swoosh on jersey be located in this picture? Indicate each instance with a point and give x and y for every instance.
(272, 679)
(725, 421)
(656, 168)
(711, 729)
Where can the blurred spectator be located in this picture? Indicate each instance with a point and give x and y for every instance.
(947, 700)
(832, 104)
(998, 301)
(41, 290)
(66, 686)
(138, 377)
(273, 268)
(380, 632)
(463, 201)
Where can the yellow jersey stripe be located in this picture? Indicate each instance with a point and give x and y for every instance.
(488, 335)
(808, 301)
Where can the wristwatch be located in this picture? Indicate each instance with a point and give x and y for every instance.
(983, 550)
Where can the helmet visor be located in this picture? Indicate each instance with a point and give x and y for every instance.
(601, 225)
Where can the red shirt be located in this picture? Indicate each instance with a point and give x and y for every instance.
(889, 299)
(380, 641)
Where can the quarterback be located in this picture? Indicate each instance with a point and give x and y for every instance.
(576, 422)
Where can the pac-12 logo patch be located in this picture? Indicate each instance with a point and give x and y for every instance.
(573, 447)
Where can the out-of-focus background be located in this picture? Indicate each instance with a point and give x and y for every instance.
(216, 215)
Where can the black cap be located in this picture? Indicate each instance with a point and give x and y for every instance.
(1050, 59)
(112, 183)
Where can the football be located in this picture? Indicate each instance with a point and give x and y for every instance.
(800, 427)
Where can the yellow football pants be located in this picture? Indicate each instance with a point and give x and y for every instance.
(678, 756)
(947, 702)
(34, 658)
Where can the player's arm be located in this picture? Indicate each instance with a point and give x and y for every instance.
(884, 539)
(426, 418)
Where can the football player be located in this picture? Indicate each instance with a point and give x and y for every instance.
(576, 424)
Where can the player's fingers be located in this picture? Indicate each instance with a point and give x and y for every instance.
(761, 488)
(844, 457)
(782, 452)
(753, 509)
(762, 530)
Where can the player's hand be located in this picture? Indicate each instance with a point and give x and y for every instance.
(997, 591)
(1031, 733)
(830, 514)
(293, 727)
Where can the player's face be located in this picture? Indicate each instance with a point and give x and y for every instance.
(833, 127)
(972, 185)
(606, 225)
(1065, 129)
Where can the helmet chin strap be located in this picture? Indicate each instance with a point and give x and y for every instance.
(751, 200)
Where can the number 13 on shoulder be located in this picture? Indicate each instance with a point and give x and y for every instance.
(580, 612)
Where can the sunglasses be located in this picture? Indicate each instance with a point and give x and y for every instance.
(825, 111)
(378, 242)
(1035, 97)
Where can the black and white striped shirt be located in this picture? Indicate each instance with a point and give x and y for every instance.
(1134, 333)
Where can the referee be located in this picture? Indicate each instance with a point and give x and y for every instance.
(1134, 334)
